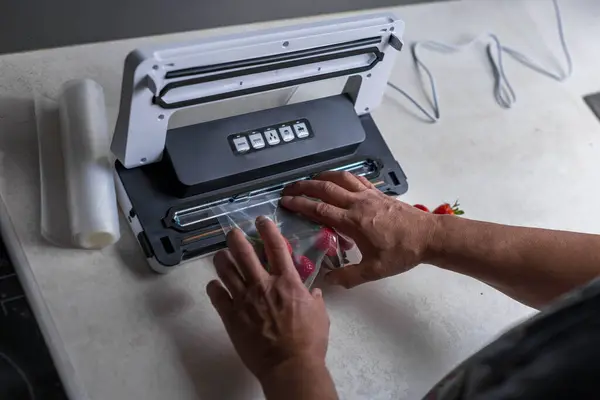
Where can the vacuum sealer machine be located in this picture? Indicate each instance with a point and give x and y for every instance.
(169, 179)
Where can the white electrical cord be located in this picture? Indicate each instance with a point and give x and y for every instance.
(503, 91)
(21, 373)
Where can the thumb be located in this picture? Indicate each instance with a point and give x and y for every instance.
(220, 299)
(354, 275)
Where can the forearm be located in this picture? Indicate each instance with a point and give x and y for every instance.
(299, 380)
(533, 266)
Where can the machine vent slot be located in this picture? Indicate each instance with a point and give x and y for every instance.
(167, 245)
(394, 178)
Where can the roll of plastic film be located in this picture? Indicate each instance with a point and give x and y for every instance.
(91, 198)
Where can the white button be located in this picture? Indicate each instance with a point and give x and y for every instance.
(241, 144)
(257, 140)
(272, 137)
(301, 130)
(286, 133)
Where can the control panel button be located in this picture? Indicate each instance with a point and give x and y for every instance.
(272, 137)
(286, 133)
(301, 130)
(241, 144)
(257, 140)
(265, 137)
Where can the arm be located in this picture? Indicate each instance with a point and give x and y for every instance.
(533, 266)
(279, 328)
(305, 380)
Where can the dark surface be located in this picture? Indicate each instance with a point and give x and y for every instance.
(37, 24)
(22, 341)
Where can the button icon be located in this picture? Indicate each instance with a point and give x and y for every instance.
(272, 137)
(241, 144)
(286, 133)
(301, 130)
(257, 140)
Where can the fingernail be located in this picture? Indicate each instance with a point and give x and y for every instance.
(261, 220)
(285, 200)
(231, 234)
(289, 187)
(220, 254)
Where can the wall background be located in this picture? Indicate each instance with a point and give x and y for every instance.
(36, 24)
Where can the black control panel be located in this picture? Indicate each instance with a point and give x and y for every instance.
(204, 157)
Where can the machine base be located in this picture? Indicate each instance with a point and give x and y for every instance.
(153, 207)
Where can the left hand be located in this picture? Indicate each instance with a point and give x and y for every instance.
(274, 322)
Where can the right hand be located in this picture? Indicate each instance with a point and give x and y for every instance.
(392, 236)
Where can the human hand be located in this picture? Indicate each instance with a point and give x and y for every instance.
(274, 322)
(392, 236)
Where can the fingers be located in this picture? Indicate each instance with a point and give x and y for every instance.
(326, 191)
(245, 257)
(317, 294)
(366, 182)
(344, 180)
(276, 246)
(323, 213)
(354, 275)
(228, 273)
(220, 299)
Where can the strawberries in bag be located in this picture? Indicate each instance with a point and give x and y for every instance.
(312, 246)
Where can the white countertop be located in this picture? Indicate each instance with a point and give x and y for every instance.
(118, 331)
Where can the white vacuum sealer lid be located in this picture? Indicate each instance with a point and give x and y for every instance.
(160, 80)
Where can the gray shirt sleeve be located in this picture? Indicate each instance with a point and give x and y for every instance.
(553, 355)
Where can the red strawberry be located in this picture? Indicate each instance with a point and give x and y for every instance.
(421, 207)
(449, 209)
(305, 267)
(327, 241)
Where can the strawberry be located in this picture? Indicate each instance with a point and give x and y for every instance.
(305, 267)
(327, 241)
(449, 209)
(421, 207)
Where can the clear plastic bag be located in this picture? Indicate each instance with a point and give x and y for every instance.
(312, 246)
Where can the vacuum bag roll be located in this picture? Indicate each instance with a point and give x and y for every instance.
(53, 189)
(91, 199)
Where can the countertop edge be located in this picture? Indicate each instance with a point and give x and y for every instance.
(56, 345)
